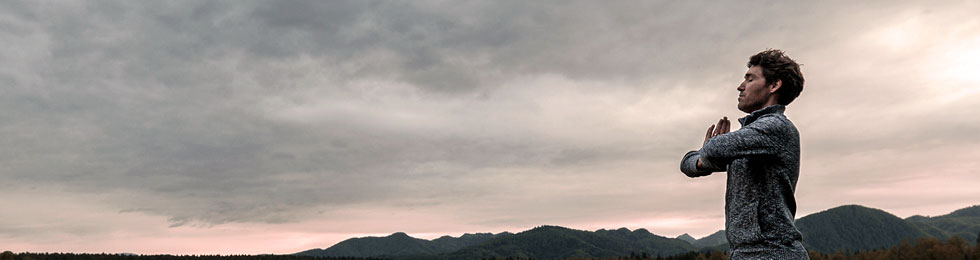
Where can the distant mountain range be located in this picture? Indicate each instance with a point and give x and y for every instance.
(852, 227)
(400, 244)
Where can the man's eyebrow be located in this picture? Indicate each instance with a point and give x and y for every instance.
(748, 75)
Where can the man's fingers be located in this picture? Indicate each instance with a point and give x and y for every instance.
(708, 135)
(721, 124)
(722, 127)
(727, 126)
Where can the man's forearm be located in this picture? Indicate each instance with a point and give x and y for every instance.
(692, 167)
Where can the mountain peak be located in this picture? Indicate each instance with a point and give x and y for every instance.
(688, 238)
(547, 228)
(399, 235)
(715, 239)
(850, 207)
(642, 231)
(854, 209)
(476, 235)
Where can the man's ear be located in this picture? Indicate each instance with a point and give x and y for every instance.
(775, 86)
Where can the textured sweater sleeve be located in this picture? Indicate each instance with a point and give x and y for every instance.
(755, 140)
(689, 166)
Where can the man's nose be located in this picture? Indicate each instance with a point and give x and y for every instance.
(741, 86)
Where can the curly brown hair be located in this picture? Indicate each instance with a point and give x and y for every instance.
(777, 66)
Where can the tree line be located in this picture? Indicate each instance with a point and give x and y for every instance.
(923, 248)
(954, 248)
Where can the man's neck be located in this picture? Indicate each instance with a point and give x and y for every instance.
(772, 101)
(775, 108)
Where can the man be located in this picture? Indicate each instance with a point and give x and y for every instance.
(762, 160)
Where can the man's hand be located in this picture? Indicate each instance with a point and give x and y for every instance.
(723, 126)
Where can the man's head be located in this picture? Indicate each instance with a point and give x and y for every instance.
(772, 78)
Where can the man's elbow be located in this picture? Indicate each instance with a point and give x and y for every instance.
(694, 174)
(689, 166)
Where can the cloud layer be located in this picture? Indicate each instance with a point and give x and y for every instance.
(211, 119)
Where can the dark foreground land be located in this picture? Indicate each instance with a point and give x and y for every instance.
(7, 255)
(924, 248)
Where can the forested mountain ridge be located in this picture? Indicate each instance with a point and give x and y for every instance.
(854, 228)
(964, 223)
(554, 242)
(400, 244)
(850, 227)
(543, 242)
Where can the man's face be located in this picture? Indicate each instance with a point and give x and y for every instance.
(753, 93)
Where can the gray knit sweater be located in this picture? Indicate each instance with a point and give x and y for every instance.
(763, 163)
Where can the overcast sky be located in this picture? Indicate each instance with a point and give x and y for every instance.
(203, 127)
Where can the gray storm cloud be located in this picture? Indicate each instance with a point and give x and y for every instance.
(229, 111)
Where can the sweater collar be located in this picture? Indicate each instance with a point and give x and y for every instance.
(773, 109)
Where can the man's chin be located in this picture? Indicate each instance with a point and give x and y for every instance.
(745, 108)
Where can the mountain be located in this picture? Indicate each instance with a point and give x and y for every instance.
(544, 242)
(851, 227)
(859, 228)
(971, 212)
(554, 242)
(854, 228)
(718, 238)
(964, 223)
(687, 238)
(448, 243)
(399, 244)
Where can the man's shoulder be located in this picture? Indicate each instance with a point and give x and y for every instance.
(775, 122)
(773, 118)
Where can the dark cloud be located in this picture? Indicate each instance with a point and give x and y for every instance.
(228, 111)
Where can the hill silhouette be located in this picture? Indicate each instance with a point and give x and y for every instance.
(854, 228)
(964, 223)
(687, 238)
(554, 242)
(399, 244)
(713, 240)
(850, 227)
